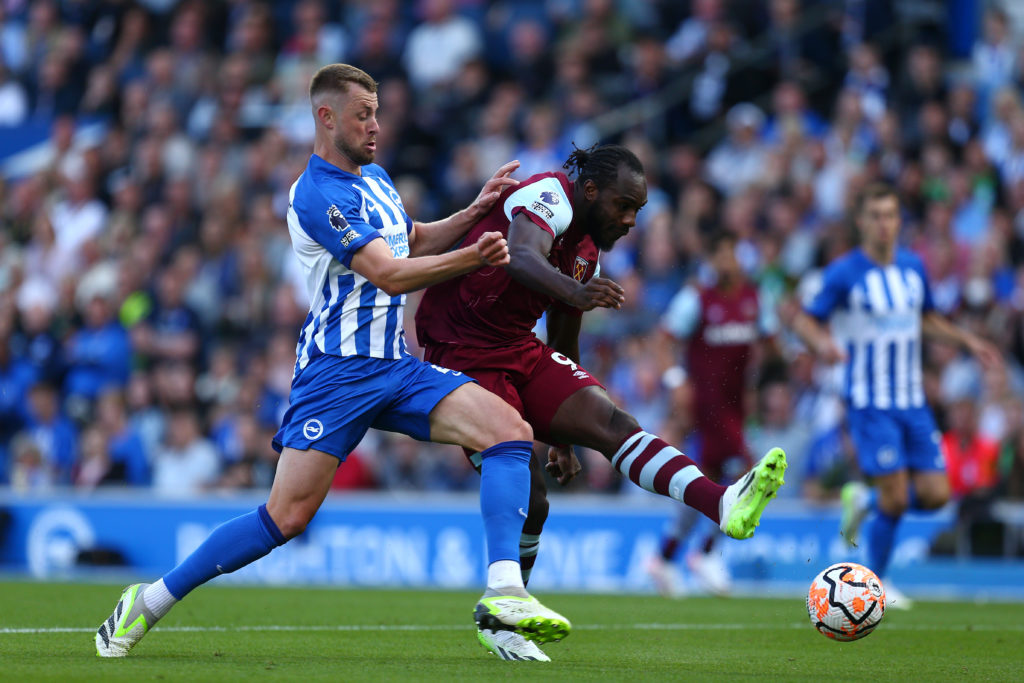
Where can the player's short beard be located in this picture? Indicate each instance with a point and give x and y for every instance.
(358, 156)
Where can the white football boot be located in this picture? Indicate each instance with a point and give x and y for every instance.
(511, 646)
(524, 615)
(126, 625)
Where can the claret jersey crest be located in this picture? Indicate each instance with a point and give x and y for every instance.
(579, 268)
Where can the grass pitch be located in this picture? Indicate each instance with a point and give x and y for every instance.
(271, 634)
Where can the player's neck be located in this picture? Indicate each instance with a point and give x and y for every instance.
(880, 253)
(331, 155)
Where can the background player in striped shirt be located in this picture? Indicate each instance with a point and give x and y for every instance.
(482, 324)
(878, 304)
(354, 240)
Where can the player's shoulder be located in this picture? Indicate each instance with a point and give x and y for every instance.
(850, 265)
(324, 185)
(547, 196)
(376, 171)
(908, 258)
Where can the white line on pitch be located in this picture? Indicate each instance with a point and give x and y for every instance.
(463, 627)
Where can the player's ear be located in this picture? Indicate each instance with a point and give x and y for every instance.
(589, 190)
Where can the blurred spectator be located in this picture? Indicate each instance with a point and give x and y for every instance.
(13, 99)
(51, 431)
(186, 463)
(971, 459)
(438, 47)
(776, 426)
(127, 456)
(98, 354)
(739, 161)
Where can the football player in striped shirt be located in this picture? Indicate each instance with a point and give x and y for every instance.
(361, 253)
(877, 301)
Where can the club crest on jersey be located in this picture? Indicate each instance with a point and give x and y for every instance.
(337, 221)
(549, 198)
(579, 268)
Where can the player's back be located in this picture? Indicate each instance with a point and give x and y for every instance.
(875, 312)
(487, 308)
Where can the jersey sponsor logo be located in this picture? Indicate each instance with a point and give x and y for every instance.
(313, 429)
(549, 198)
(337, 221)
(541, 209)
(579, 268)
(729, 334)
(349, 237)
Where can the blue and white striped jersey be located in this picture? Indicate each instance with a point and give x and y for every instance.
(875, 312)
(331, 214)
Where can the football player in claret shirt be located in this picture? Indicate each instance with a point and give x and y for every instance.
(482, 324)
(361, 253)
(721, 323)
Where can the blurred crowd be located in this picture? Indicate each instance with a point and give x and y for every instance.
(149, 302)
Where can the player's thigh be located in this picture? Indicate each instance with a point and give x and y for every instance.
(476, 419)
(566, 404)
(923, 447)
(300, 486)
(878, 438)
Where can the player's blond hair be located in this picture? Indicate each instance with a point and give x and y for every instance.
(335, 78)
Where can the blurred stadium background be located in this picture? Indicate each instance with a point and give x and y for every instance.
(149, 302)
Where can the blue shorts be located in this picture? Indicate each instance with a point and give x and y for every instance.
(334, 400)
(891, 440)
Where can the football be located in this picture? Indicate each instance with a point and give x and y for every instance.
(846, 601)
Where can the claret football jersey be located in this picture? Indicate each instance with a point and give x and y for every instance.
(487, 307)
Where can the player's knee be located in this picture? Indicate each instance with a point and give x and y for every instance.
(893, 505)
(620, 425)
(293, 522)
(933, 497)
(515, 430)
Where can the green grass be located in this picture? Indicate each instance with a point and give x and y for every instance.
(615, 638)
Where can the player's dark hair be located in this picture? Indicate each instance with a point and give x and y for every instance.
(601, 163)
(874, 191)
(336, 77)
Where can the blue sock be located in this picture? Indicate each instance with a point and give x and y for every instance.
(230, 546)
(505, 497)
(881, 534)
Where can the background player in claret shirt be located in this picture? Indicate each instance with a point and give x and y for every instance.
(361, 253)
(482, 324)
(879, 305)
(721, 324)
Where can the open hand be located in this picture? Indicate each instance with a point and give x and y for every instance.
(492, 190)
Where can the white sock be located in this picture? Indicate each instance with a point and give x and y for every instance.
(504, 574)
(158, 599)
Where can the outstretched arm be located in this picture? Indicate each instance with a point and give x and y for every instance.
(439, 236)
(399, 276)
(936, 326)
(529, 246)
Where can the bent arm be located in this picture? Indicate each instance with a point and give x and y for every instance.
(528, 247)
(375, 262)
(936, 326)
